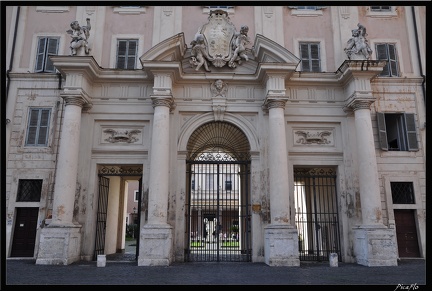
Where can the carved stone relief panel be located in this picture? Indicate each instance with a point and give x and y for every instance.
(313, 136)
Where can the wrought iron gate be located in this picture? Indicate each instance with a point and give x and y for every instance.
(101, 217)
(316, 213)
(218, 209)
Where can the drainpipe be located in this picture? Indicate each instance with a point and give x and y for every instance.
(12, 53)
(418, 54)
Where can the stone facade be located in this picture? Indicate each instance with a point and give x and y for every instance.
(143, 118)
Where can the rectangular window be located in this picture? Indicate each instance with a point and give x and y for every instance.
(127, 53)
(397, 131)
(387, 52)
(47, 46)
(380, 8)
(310, 57)
(136, 193)
(402, 192)
(29, 190)
(37, 128)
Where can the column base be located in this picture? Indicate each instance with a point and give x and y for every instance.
(155, 246)
(59, 245)
(375, 246)
(281, 246)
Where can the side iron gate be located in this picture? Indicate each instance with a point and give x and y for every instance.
(101, 217)
(316, 213)
(218, 211)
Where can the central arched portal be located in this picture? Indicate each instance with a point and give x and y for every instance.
(218, 201)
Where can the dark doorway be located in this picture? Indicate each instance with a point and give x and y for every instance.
(406, 233)
(25, 232)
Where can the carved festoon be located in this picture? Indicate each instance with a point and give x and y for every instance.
(127, 136)
(357, 47)
(80, 36)
(218, 43)
(307, 137)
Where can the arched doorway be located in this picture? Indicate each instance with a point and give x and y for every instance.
(218, 201)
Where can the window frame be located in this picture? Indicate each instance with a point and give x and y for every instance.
(126, 54)
(309, 58)
(21, 185)
(388, 67)
(38, 127)
(140, 49)
(406, 132)
(45, 55)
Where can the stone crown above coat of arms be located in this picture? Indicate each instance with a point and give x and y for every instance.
(218, 43)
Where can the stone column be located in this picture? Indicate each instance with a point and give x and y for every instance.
(60, 240)
(374, 243)
(368, 171)
(156, 239)
(281, 237)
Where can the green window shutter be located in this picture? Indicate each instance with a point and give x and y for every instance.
(394, 71)
(132, 53)
(52, 51)
(315, 57)
(381, 51)
(382, 133)
(411, 132)
(121, 54)
(43, 127)
(40, 55)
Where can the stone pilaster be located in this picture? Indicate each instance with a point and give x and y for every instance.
(375, 244)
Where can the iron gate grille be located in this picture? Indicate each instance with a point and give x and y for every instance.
(316, 215)
(101, 217)
(218, 211)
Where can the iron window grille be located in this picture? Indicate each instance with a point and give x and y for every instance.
(402, 192)
(29, 190)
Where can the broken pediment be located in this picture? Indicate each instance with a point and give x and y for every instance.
(219, 48)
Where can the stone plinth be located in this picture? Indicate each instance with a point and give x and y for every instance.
(59, 245)
(156, 245)
(375, 246)
(281, 246)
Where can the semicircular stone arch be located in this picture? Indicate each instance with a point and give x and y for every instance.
(245, 126)
(218, 137)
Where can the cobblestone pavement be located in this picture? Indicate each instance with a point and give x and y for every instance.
(410, 274)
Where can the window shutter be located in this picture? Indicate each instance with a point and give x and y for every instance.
(43, 127)
(132, 51)
(121, 54)
(393, 60)
(32, 127)
(411, 132)
(40, 55)
(52, 51)
(315, 57)
(382, 131)
(304, 55)
(381, 50)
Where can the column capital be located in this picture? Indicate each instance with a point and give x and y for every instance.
(274, 103)
(356, 103)
(76, 97)
(167, 101)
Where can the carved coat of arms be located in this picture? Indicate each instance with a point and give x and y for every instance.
(218, 42)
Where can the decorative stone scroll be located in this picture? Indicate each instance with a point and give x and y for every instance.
(217, 42)
(127, 136)
(307, 137)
